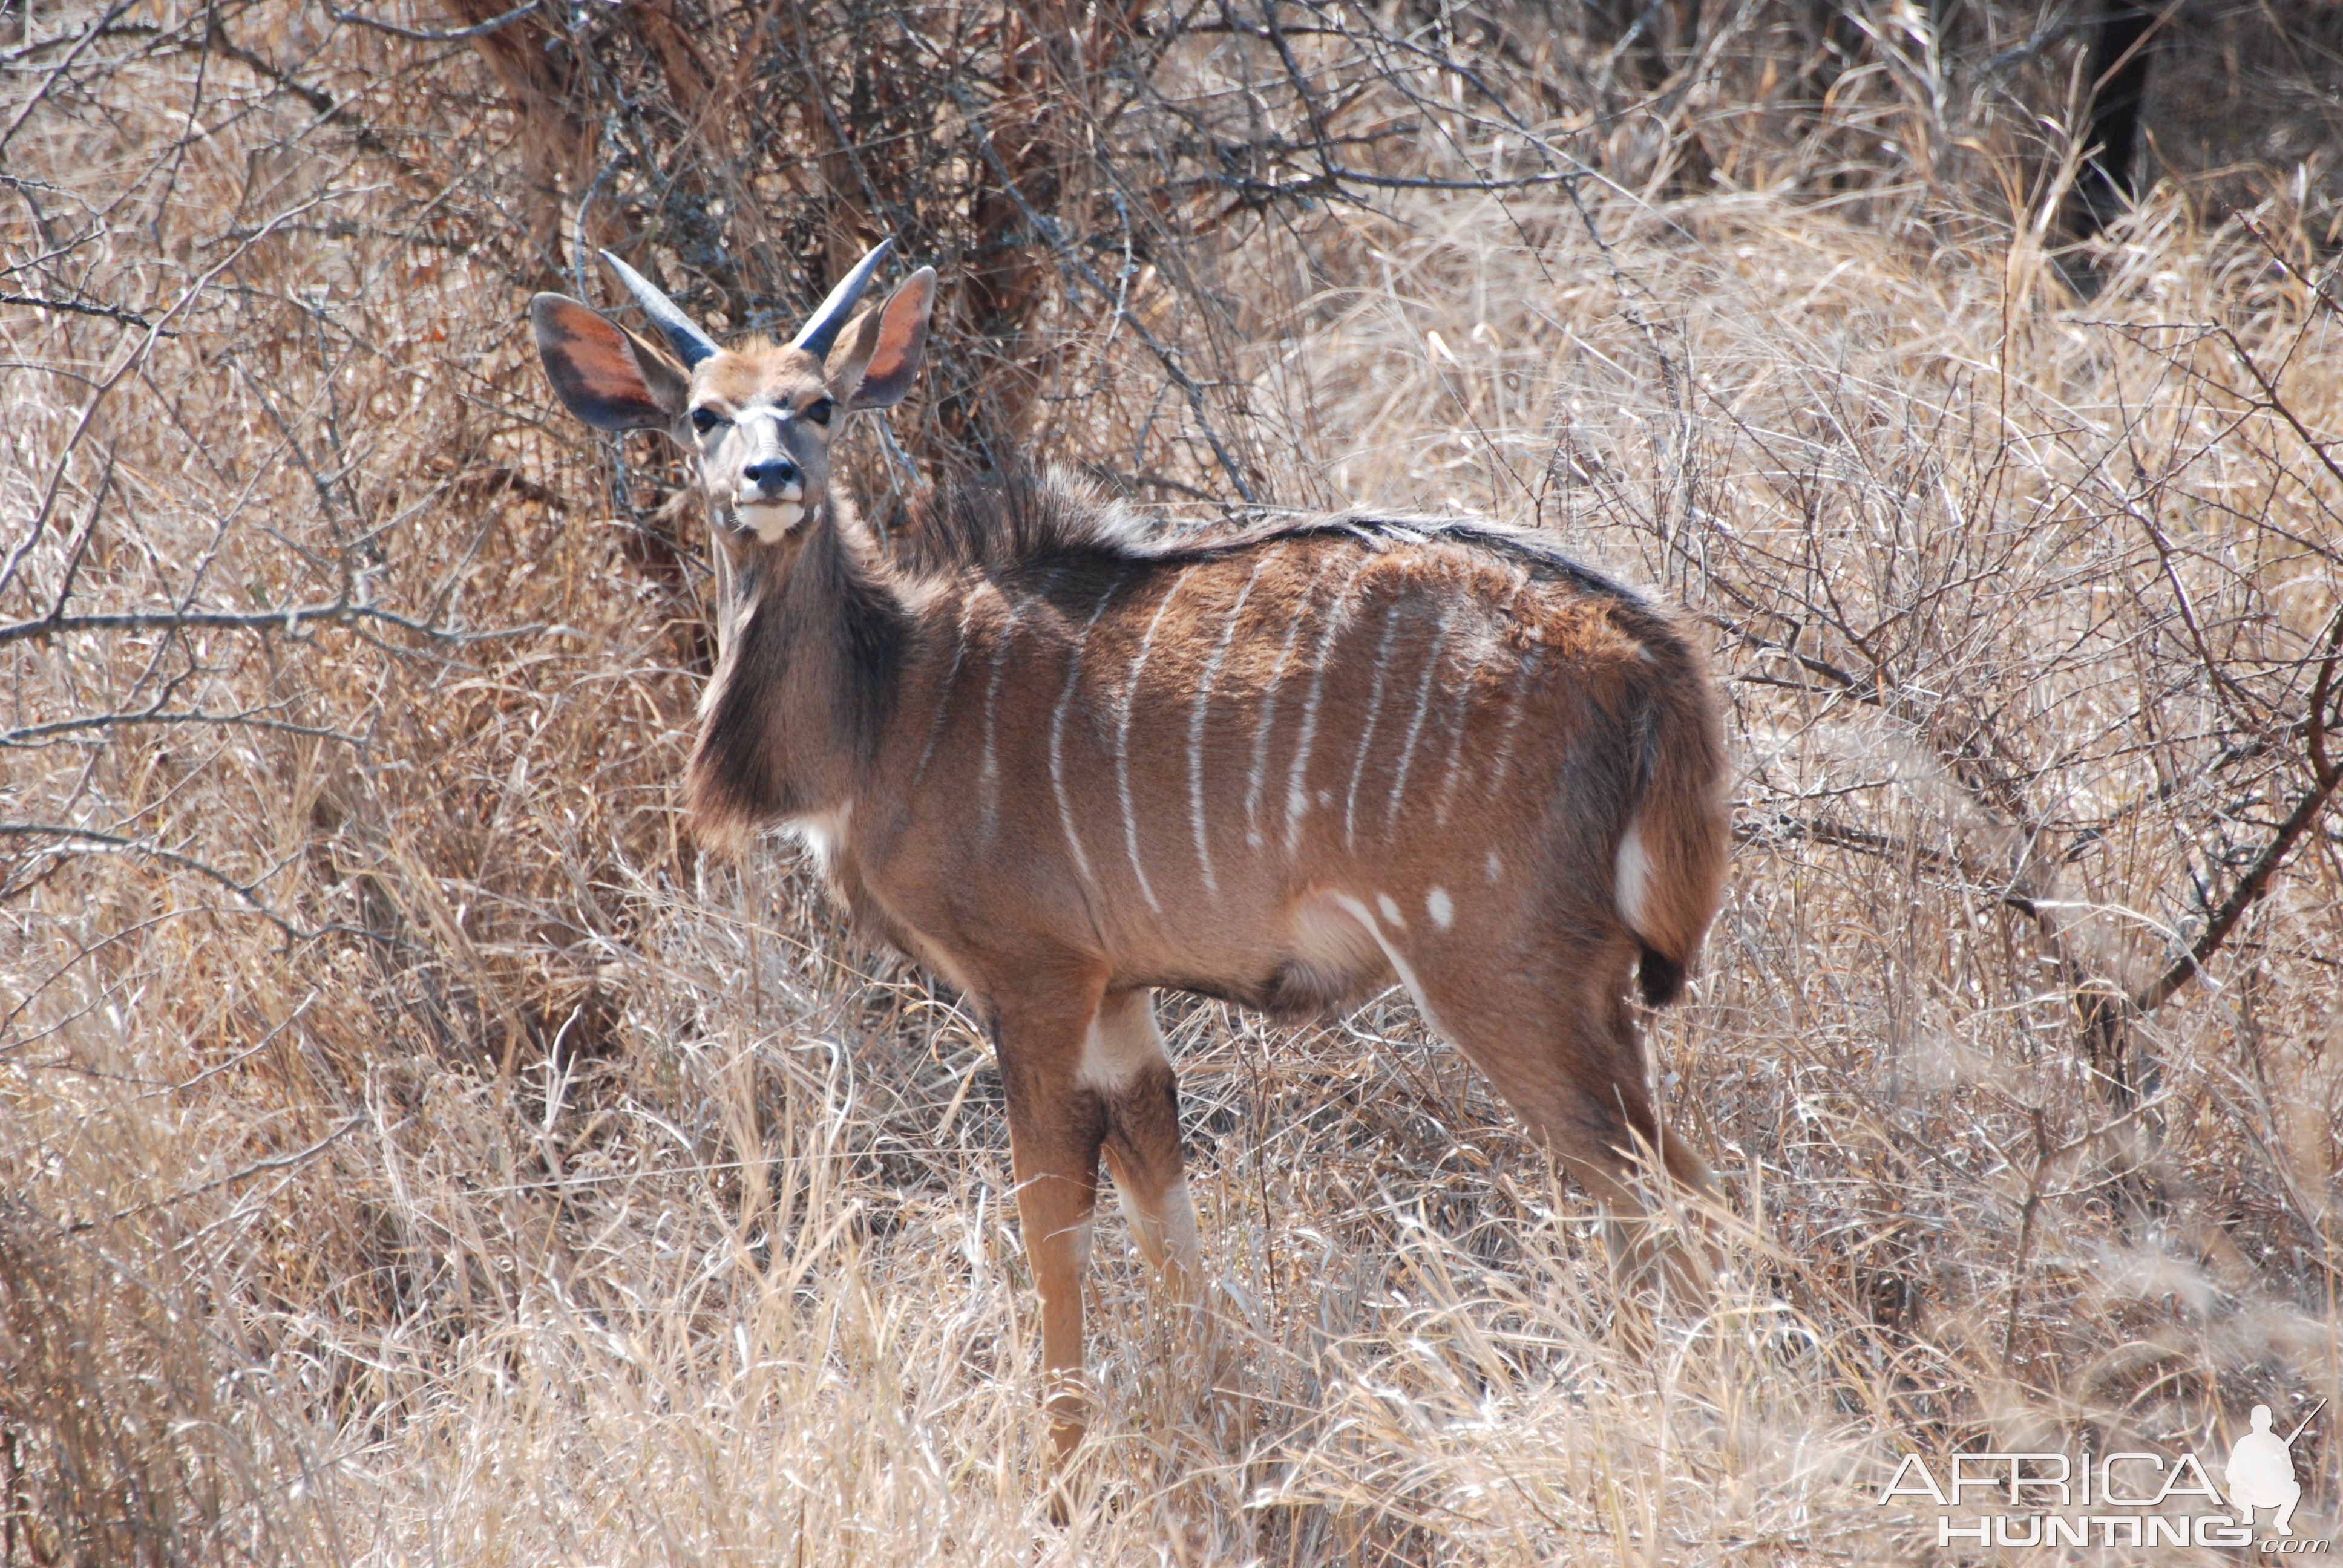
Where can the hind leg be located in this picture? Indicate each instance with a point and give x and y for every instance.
(1554, 1032)
(1571, 1063)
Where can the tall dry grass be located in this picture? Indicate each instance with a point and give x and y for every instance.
(412, 1151)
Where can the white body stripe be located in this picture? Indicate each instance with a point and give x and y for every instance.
(1415, 725)
(1260, 770)
(1297, 794)
(988, 778)
(1365, 917)
(1367, 734)
(1505, 758)
(1448, 780)
(1122, 741)
(1196, 719)
(944, 691)
(1502, 762)
(1058, 737)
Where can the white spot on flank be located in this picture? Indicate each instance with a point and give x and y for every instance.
(1497, 868)
(1634, 875)
(1441, 908)
(1196, 720)
(1122, 743)
(1058, 737)
(1390, 907)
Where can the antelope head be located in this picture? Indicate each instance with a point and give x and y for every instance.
(758, 417)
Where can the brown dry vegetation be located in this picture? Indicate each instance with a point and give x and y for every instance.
(411, 1152)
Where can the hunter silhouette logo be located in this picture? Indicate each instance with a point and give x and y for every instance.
(2126, 1498)
(2260, 1471)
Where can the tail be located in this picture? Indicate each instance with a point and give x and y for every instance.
(1670, 870)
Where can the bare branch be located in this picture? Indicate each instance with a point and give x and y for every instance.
(440, 35)
(79, 307)
(2297, 822)
(292, 621)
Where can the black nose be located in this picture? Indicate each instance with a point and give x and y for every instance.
(773, 473)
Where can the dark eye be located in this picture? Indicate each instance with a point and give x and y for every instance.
(819, 410)
(706, 420)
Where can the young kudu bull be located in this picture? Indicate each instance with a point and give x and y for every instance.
(1064, 758)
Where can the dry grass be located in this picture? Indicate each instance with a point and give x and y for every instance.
(410, 1152)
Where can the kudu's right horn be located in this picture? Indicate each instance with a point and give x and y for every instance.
(691, 345)
(820, 330)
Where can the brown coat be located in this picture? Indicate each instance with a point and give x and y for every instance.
(1064, 758)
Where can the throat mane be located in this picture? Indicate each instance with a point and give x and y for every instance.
(813, 652)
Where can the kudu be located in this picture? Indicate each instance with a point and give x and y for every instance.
(1064, 758)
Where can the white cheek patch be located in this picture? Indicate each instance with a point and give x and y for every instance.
(772, 523)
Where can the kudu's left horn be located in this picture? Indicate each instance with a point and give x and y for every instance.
(820, 330)
(690, 344)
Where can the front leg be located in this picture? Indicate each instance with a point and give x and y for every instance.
(1126, 1064)
(1056, 1124)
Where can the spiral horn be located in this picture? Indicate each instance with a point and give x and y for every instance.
(820, 330)
(691, 345)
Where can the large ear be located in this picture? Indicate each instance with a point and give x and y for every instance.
(609, 378)
(879, 354)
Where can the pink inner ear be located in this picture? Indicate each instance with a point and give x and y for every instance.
(903, 334)
(598, 354)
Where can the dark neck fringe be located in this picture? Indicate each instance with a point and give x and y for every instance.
(806, 692)
(1022, 520)
(1000, 524)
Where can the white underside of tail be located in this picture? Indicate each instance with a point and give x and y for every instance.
(1634, 875)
